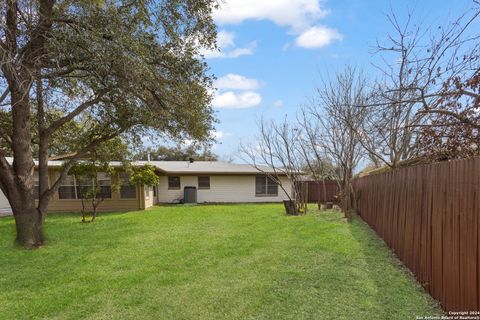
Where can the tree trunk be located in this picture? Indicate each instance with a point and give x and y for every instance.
(319, 195)
(84, 211)
(347, 206)
(29, 225)
(290, 207)
(16, 180)
(94, 213)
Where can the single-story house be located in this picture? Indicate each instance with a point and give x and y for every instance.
(4, 205)
(210, 182)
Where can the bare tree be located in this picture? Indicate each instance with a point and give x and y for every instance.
(334, 111)
(277, 154)
(314, 154)
(427, 74)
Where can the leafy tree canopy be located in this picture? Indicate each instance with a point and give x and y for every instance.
(108, 69)
(143, 175)
(177, 153)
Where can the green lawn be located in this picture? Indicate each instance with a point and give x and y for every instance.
(206, 262)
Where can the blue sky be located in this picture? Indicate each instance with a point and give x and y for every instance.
(274, 52)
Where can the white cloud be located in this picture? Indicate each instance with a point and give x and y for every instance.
(225, 39)
(298, 14)
(227, 49)
(238, 52)
(233, 100)
(237, 82)
(236, 92)
(317, 37)
(278, 104)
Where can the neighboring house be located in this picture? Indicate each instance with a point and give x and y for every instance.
(214, 182)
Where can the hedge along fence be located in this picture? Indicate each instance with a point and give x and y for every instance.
(429, 215)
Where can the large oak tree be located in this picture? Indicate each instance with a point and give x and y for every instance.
(117, 68)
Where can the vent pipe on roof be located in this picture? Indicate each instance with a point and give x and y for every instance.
(148, 156)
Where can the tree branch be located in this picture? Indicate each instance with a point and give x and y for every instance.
(78, 110)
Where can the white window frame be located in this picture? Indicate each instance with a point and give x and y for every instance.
(266, 180)
(76, 185)
(203, 188)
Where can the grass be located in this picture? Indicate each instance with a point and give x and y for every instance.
(206, 262)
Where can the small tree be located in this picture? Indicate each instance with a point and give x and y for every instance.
(317, 163)
(144, 175)
(93, 193)
(278, 154)
(334, 110)
(89, 172)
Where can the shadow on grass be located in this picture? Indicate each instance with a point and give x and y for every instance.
(99, 214)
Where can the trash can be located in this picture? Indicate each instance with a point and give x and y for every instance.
(190, 195)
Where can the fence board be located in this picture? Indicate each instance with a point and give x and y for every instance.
(315, 191)
(430, 216)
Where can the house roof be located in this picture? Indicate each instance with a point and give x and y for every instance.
(205, 167)
(186, 167)
(60, 163)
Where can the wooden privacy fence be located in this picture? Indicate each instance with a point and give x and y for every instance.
(429, 215)
(315, 191)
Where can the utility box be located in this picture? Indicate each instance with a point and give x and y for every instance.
(190, 195)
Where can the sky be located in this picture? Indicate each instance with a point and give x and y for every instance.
(275, 52)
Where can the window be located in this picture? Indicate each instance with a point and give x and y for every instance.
(173, 183)
(265, 186)
(73, 188)
(36, 185)
(105, 185)
(203, 182)
(82, 186)
(67, 189)
(127, 190)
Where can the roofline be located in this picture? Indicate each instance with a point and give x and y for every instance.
(212, 173)
(118, 164)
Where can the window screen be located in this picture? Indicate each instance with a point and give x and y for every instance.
(73, 188)
(67, 189)
(173, 182)
(265, 186)
(203, 182)
(36, 185)
(105, 185)
(83, 185)
(127, 190)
